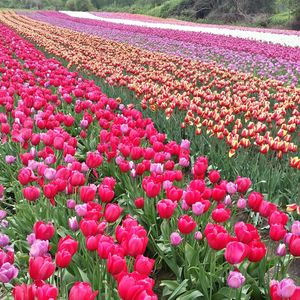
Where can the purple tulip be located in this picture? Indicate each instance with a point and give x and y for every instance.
(235, 279)
(286, 288)
(175, 239)
(8, 272)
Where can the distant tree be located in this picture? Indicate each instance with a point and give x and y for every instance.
(85, 5)
(71, 5)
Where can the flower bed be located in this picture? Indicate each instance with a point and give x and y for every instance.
(92, 194)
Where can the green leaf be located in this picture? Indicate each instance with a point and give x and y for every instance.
(170, 284)
(223, 292)
(190, 295)
(191, 254)
(180, 289)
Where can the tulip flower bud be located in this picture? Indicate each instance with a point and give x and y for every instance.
(198, 236)
(10, 159)
(235, 279)
(139, 202)
(281, 250)
(71, 203)
(4, 240)
(242, 203)
(3, 214)
(73, 224)
(175, 239)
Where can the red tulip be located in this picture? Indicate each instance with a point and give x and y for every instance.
(112, 212)
(63, 258)
(217, 236)
(106, 194)
(116, 264)
(186, 224)
(174, 193)
(31, 193)
(257, 251)
(165, 208)
(43, 231)
(87, 193)
(24, 292)
(277, 232)
(278, 217)
(143, 265)
(88, 227)
(254, 201)
(220, 214)
(135, 245)
(91, 242)
(139, 202)
(41, 268)
(82, 291)
(77, 179)
(68, 244)
(106, 246)
(245, 232)
(243, 184)
(214, 176)
(266, 208)
(93, 160)
(294, 245)
(47, 292)
(152, 189)
(218, 194)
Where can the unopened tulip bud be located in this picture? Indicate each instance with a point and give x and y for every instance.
(281, 250)
(71, 203)
(3, 214)
(184, 205)
(183, 162)
(4, 240)
(175, 239)
(227, 200)
(4, 223)
(10, 159)
(73, 224)
(198, 235)
(242, 203)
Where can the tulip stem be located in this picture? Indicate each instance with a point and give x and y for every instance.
(212, 271)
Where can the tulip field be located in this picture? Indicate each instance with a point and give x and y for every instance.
(141, 163)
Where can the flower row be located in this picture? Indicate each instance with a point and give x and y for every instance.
(242, 110)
